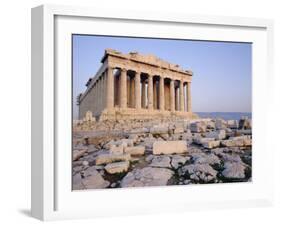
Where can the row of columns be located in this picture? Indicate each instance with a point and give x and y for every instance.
(150, 92)
(99, 94)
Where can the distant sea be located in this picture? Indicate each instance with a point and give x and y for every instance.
(224, 115)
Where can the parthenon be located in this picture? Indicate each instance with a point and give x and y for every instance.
(137, 86)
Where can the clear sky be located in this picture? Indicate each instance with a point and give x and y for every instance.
(222, 79)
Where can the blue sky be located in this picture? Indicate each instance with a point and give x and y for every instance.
(222, 78)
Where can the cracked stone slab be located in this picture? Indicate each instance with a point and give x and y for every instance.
(218, 135)
(79, 153)
(200, 172)
(178, 161)
(109, 158)
(202, 158)
(94, 181)
(237, 141)
(161, 161)
(231, 158)
(117, 167)
(234, 170)
(148, 176)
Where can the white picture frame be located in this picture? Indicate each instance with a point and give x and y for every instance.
(52, 197)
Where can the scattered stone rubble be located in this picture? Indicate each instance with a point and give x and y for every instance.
(137, 153)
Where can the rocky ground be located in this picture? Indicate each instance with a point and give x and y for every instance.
(160, 152)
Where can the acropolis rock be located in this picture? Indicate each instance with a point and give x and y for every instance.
(126, 155)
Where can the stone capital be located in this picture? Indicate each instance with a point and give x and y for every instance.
(123, 69)
(138, 72)
(112, 65)
(151, 75)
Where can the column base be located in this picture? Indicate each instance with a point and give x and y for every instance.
(132, 113)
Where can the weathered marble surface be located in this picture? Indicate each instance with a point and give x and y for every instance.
(136, 153)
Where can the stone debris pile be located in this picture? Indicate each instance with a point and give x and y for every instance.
(160, 152)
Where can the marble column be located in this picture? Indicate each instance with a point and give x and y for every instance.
(143, 94)
(155, 95)
(123, 88)
(172, 95)
(99, 91)
(150, 92)
(128, 92)
(189, 97)
(162, 95)
(137, 91)
(104, 90)
(95, 99)
(176, 98)
(132, 93)
(181, 96)
(110, 88)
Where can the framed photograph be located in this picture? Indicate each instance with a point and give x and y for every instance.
(137, 112)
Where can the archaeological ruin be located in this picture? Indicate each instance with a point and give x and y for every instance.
(137, 86)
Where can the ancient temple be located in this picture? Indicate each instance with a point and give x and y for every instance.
(137, 86)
